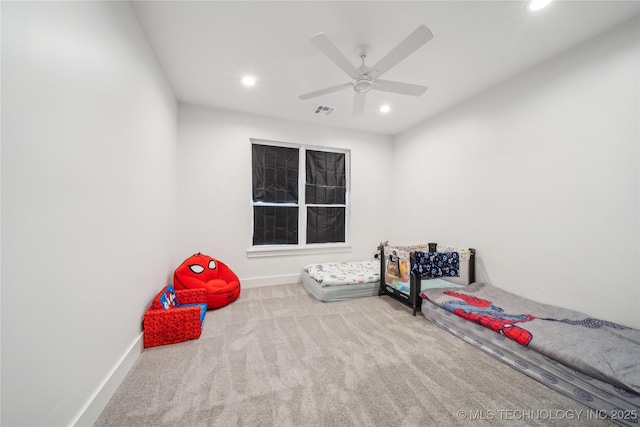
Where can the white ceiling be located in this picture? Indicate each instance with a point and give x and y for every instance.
(205, 48)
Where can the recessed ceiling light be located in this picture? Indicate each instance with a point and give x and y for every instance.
(538, 4)
(385, 109)
(248, 80)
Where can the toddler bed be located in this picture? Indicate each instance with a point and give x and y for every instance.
(592, 361)
(444, 266)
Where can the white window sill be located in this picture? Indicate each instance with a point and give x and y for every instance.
(288, 250)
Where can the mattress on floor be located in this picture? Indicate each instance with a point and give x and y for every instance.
(602, 349)
(604, 399)
(339, 292)
(344, 273)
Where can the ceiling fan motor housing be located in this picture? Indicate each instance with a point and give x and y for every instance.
(362, 85)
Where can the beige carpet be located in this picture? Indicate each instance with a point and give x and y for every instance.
(279, 357)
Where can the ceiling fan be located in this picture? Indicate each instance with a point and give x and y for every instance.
(365, 78)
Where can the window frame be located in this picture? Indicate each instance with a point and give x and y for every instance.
(302, 247)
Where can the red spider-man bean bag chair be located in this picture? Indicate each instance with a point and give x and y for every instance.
(201, 271)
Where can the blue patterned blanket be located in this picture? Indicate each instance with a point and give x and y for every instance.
(430, 265)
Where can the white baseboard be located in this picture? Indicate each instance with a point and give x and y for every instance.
(98, 401)
(257, 282)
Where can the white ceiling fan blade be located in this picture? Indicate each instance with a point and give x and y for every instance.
(397, 87)
(409, 45)
(323, 43)
(358, 103)
(324, 91)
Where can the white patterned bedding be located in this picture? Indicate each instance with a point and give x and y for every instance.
(345, 273)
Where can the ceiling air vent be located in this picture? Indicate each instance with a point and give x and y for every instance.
(325, 111)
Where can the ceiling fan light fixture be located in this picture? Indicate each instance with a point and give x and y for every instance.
(248, 80)
(538, 4)
(362, 85)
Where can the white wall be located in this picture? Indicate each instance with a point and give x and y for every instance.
(88, 202)
(541, 175)
(214, 187)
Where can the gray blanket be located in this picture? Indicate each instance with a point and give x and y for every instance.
(601, 349)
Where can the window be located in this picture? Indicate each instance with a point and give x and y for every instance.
(299, 194)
